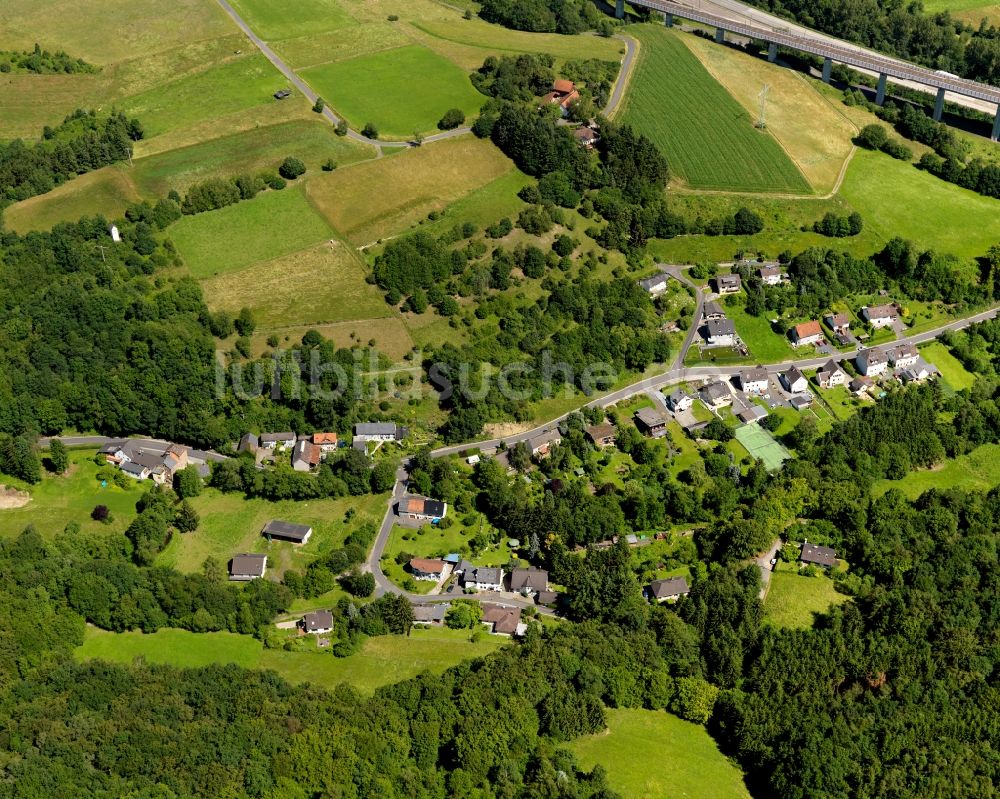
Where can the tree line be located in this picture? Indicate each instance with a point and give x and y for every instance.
(43, 62)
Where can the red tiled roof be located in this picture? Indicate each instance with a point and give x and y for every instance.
(412, 505)
(569, 98)
(427, 565)
(563, 86)
(807, 329)
(324, 438)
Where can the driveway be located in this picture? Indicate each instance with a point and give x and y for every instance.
(764, 564)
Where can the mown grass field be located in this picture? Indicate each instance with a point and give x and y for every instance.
(320, 285)
(970, 11)
(793, 599)
(383, 88)
(708, 138)
(272, 21)
(811, 129)
(654, 755)
(231, 524)
(952, 370)
(381, 198)
(381, 661)
(978, 470)
(272, 224)
(766, 346)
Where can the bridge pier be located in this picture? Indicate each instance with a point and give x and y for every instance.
(939, 105)
(772, 52)
(880, 91)
(827, 67)
(720, 35)
(996, 126)
(668, 19)
(619, 9)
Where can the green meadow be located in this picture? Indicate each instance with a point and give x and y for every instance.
(952, 370)
(654, 755)
(793, 599)
(978, 470)
(272, 21)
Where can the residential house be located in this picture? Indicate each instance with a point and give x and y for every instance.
(421, 508)
(427, 569)
(754, 381)
(305, 456)
(541, 444)
(277, 440)
(919, 372)
(502, 620)
(586, 136)
(668, 590)
(712, 311)
(249, 443)
(327, 442)
(871, 362)
(548, 598)
(379, 431)
(794, 380)
(319, 622)
(147, 463)
(720, 332)
(716, 395)
(654, 285)
(818, 555)
(727, 284)
(807, 333)
(601, 435)
(651, 422)
(136, 470)
(879, 316)
(801, 401)
(430, 614)
(751, 414)
(529, 581)
(859, 385)
(247, 567)
(770, 275)
(287, 531)
(831, 375)
(902, 356)
(838, 322)
(483, 578)
(564, 93)
(679, 400)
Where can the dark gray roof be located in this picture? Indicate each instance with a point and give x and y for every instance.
(728, 280)
(248, 564)
(712, 308)
(649, 282)
(546, 597)
(270, 438)
(430, 613)
(533, 579)
(753, 374)
(672, 586)
(714, 391)
(375, 429)
(133, 468)
(490, 575)
(793, 374)
(317, 620)
(249, 442)
(720, 327)
(650, 417)
(289, 530)
(824, 556)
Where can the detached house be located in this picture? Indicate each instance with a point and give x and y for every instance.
(818, 555)
(651, 422)
(541, 444)
(671, 589)
(879, 316)
(378, 431)
(601, 435)
(679, 400)
(794, 380)
(319, 622)
(807, 333)
(727, 284)
(277, 440)
(720, 332)
(754, 381)
(903, 356)
(501, 620)
(712, 311)
(422, 508)
(770, 275)
(838, 322)
(427, 569)
(564, 93)
(871, 362)
(327, 442)
(305, 456)
(483, 578)
(243, 568)
(654, 285)
(831, 375)
(529, 581)
(716, 395)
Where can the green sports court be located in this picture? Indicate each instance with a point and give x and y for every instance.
(761, 444)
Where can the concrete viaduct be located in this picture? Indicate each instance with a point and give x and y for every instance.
(884, 66)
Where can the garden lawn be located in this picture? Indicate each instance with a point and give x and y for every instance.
(952, 370)
(654, 755)
(766, 346)
(978, 470)
(232, 524)
(400, 91)
(793, 599)
(272, 224)
(321, 285)
(708, 138)
(107, 191)
(897, 199)
(382, 661)
(381, 198)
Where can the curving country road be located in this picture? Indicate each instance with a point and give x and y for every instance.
(624, 75)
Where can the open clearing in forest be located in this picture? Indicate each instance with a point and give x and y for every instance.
(978, 470)
(793, 599)
(708, 138)
(655, 755)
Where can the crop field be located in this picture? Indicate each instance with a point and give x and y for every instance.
(422, 180)
(811, 128)
(978, 470)
(793, 599)
(273, 224)
(380, 88)
(708, 138)
(321, 285)
(231, 523)
(655, 755)
(382, 661)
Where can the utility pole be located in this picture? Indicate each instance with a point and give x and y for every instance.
(762, 119)
(101, 246)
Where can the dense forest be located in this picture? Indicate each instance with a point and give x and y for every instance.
(543, 16)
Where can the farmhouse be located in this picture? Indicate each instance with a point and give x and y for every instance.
(807, 333)
(654, 285)
(147, 463)
(793, 380)
(541, 444)
(421, 508)
(720, 332)
(277, 440)
(754, 381)
(903, 355)
(426, 569)
(601, 435)
(247, 567)
(564, 93)
(529, 581)
(770, 275)
(879, 316)
(871, 362)
(327, 442)
(679, 400)
(670, 589)
(712, 311)
(716, 395)
(305, 456)
(727, 284)
(319, 622)
(831, 375)
(483, 578)
(651, 422)
(501, 620)
(818, 555)
(379, 431)
(287, 531)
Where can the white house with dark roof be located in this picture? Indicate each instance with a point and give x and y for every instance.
(378, 431)
(679, 400)
(754, 381)
(770, 275)
(903, 355)
(879, 316)
(830, 375)
(727, 284)
(483, 578)
(716, 395)
(529, 581)
(669, 590)
(245, 567)
(871, 362)
(319, 622)
(720, 332)
(655, 285)
(277, 440)
(794, 380)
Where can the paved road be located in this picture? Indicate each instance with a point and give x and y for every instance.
(624, 75)
(677, 273)
(311, 96)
